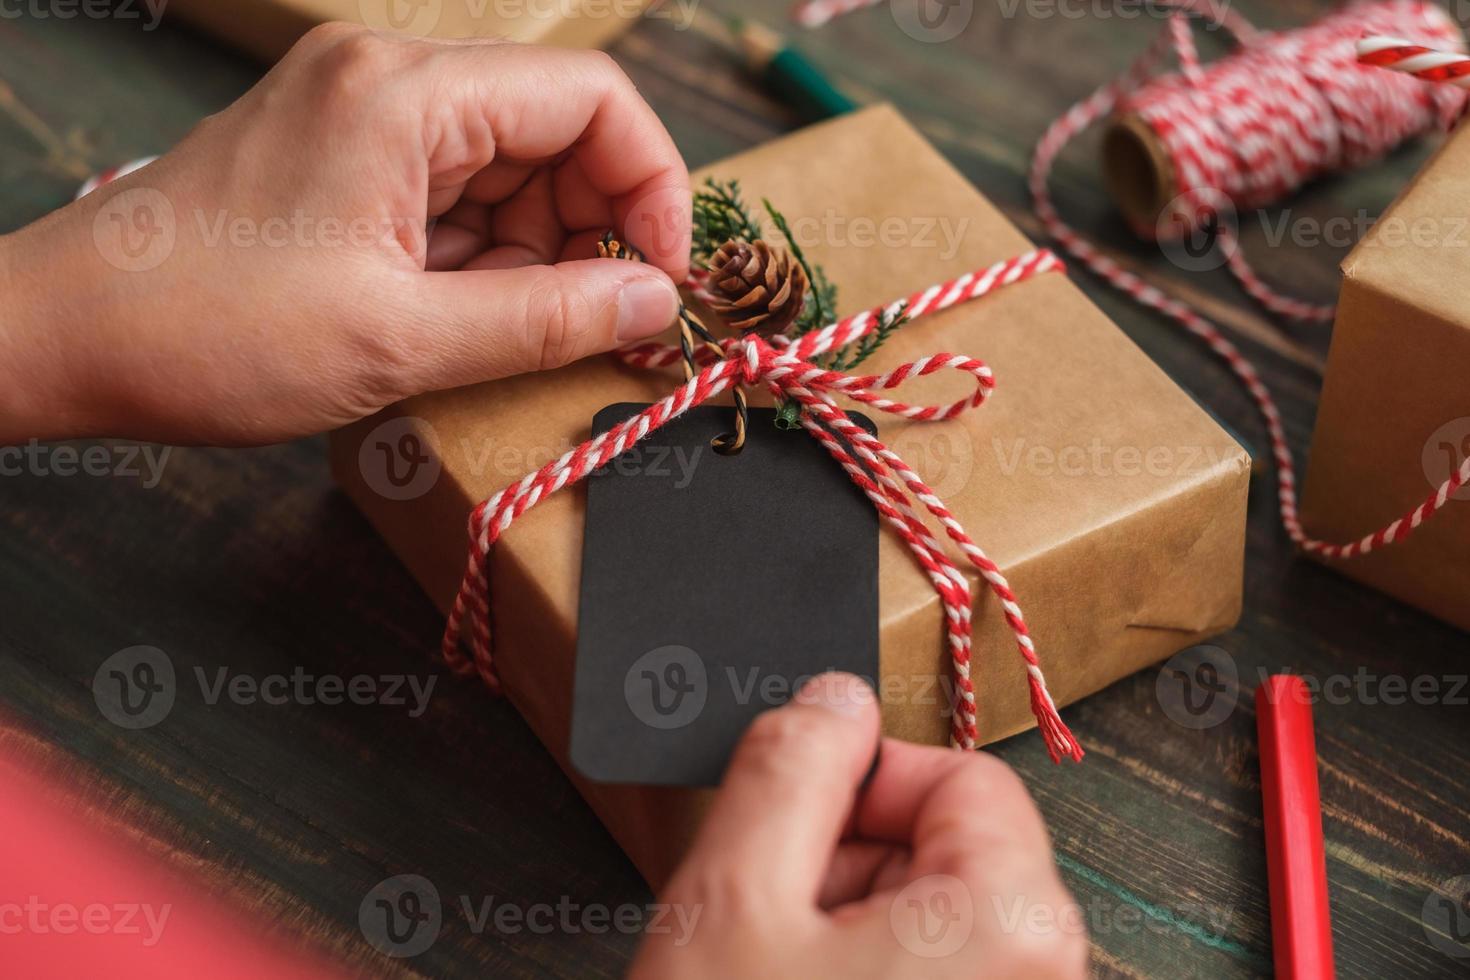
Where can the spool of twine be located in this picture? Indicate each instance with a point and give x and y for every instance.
(1282, 109)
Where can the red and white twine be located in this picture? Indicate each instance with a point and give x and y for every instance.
(1285, 108)
(787, 369)
(1425, 64)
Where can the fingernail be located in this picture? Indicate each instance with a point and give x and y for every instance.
(845, 694)
(645, 307)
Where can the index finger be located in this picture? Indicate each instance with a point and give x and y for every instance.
(535, 103)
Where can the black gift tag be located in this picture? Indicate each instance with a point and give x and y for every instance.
(712, 588)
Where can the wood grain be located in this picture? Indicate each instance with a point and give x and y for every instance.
(252, 562)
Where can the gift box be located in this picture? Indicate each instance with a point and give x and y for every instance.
(1394, 419)
(268, 28)
(1113, 503)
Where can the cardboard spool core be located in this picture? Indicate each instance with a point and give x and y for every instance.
(1137, 172)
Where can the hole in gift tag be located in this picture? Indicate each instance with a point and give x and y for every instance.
(713, 586)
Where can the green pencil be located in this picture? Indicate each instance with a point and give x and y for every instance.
(788, 74)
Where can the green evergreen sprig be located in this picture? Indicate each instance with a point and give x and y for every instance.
(856, 353)
(821, 298)
(721, 214)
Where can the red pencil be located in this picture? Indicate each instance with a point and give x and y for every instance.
(1301, 922)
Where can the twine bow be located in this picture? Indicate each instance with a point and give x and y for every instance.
(788, 370)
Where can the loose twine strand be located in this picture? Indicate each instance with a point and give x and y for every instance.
(1284, 108)
(787, 369)
(1423, 63)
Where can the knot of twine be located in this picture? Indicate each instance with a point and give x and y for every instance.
(787, 368)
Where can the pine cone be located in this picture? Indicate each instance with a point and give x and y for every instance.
(756, 287)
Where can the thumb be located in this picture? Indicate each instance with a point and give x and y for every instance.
(486, 324)
(788, 791)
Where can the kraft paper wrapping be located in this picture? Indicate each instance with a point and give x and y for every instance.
(268, 28)
(1394, 418)
(1113, 503)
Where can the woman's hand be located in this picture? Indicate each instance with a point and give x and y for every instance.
(271, 276)
(937, 866)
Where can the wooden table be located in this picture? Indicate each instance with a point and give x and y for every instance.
(250, 561)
